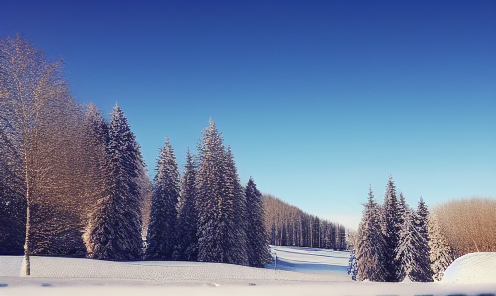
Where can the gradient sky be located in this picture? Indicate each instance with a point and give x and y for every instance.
(318, 99)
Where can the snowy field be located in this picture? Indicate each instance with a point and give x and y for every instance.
(300, 271)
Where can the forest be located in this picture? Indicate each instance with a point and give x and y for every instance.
(287, 225)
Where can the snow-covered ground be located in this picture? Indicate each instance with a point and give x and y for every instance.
(300, 271)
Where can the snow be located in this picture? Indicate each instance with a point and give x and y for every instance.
(472, 268)
(300, 271)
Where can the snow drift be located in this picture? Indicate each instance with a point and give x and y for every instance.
(472, 268)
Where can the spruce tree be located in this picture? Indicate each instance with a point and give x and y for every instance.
(371, 247)
(187, 244)
(406, 253)
(441, 254)
(220, 235)
(237, 223)
(392, 227)
(423, 271)
(161, 235)
(114, 228)
(258, 246)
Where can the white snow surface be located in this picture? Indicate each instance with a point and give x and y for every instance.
(471, 269)
(300, 271)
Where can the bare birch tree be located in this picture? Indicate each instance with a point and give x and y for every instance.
(38, 119)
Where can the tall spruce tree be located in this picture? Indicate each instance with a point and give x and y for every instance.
(392, 226)
(370, 250)
(161, 235)
(237, 224)
(423, 271)
(403, 216)
(441, 254)
(258, 245)
(114, 228)
(187, 244)
(218, 231)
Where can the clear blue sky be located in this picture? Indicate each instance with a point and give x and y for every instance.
(318, 99)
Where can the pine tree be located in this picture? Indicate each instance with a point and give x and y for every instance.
(423, 271)
(258, 246)
(392, 227)
(114, 228)
(441, 254)
(371, 245)
(161, 237)
(187, 245)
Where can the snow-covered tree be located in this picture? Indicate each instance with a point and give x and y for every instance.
(187, 244)
(258, 245)
(406, 253)
(392, 222)
(413, 248)
(114, 228)
(422, 271)
(441, 254)
(370, 249)
(161, 235)
(237, 242)
(220, 235)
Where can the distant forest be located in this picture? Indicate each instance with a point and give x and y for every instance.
(287, 225)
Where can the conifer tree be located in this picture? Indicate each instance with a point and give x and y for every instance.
(237, 223)
(210, 182)
(441, 254)
(423, 271)
(371, 245)
(114, 228)
(187, 244)
(407, 248)
(161, 235)
(258, 246)
(392, 227)
(219, 233)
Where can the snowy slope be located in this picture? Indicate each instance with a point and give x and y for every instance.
(305, 272)
(311, 260)
(471, 269)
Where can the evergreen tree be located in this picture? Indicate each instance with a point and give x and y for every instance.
(237, 223)
(392, 226)
(161, 235)
(407, 248)
(220, 236)
(423, 271)
(187, 245)
(371, 245)
(441, 254)
(258, 246)
(403, 216)
(114, 228)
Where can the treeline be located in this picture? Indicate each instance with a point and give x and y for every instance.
(73, 184)
(396, 242)
(287, 225)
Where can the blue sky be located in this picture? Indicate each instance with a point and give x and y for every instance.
(318, 99)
